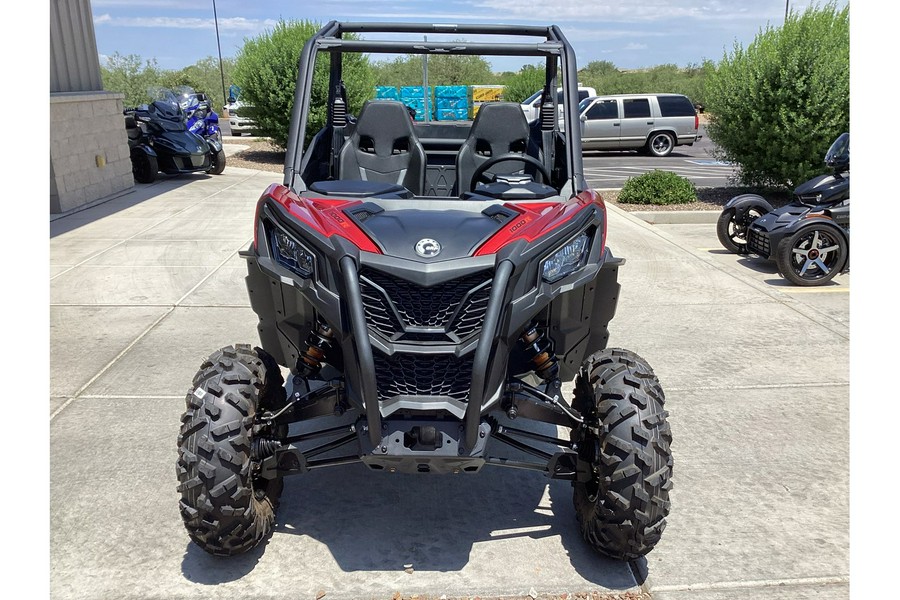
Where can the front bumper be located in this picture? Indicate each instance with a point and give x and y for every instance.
(395, 365)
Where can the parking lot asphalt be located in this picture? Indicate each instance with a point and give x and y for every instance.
(145, 286)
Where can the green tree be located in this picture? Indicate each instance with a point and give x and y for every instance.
(443, 69)
(604, 77)
(266, 71)
(130, 75)
(523, 84)
(596, 73)
(777, 105)
(204, 76)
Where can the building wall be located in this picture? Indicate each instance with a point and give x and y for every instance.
(74, 62)
(89, 156)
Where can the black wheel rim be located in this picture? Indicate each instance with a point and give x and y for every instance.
(815, 255)
(737, 228)
(662, 144)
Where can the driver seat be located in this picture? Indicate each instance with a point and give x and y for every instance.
(499, 128)
(384, 148)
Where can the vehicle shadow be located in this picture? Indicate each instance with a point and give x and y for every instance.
(759, 265)
(375, 521)
(621, 153)
(140, 193)
(784, 283)
(198, 566)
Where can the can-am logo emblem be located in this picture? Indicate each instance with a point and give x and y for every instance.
(427, 248)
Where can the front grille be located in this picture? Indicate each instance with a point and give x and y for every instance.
(393, 305)
(404, 374)
(758, 242)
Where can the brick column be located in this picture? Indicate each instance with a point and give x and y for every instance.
(89, 156)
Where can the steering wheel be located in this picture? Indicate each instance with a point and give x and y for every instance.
(509, 156)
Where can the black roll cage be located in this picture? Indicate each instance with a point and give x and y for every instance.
(330, 39)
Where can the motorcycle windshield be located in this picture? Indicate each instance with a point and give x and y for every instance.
(839, 150)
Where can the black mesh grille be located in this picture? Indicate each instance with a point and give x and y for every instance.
(423, 375)
(758, 242)
(418, 306)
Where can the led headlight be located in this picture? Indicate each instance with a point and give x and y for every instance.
(566, 259)
(292, 254)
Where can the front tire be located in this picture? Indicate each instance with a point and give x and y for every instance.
(813, 255)
(732, 231)
(225, 508)
(660, 144)
(144, 167)
(218, 163)
(626, 438)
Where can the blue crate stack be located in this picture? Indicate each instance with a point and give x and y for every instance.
(451, 102)
(414, 96)
(386, 92)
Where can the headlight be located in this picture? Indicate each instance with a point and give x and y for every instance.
(566, 260)
(292, 254)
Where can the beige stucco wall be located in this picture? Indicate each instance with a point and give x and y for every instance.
(89, 156)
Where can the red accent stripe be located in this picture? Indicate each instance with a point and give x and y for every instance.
(325, 216)
(538, 219)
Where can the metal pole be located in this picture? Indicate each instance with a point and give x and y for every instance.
(425, 80)
(786, 4)
(219, 45)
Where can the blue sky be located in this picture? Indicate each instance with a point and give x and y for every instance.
(631, 35)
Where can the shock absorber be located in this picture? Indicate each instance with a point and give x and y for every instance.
(538, 349)
(319, 342)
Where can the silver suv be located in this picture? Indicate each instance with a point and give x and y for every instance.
(655, 123)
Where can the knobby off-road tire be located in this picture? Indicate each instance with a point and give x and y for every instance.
(622, 510)
(225, 509)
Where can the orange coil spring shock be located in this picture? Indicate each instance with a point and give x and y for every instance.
(538, 349)
(319, 342)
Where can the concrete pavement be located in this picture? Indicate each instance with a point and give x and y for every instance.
(145, 286)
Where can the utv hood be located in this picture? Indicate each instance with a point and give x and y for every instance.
(426, 236)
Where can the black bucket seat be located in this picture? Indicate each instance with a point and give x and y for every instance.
(499, 128)
(384, 147)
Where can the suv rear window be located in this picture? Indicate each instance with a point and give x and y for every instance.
(636, 108)
(675, 106)
(603, 109)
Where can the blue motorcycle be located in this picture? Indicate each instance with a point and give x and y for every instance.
(160, 141)
(199, 115)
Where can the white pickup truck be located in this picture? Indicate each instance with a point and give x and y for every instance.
(531, 105)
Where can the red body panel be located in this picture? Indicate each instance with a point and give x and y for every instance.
(325, 216)
(538, 219)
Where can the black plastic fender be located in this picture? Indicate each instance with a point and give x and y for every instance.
(142, 149)
(214, 145)
(744, 202)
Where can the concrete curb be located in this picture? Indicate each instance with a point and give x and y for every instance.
(678, 217)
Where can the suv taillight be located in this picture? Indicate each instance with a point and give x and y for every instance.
(696, 121)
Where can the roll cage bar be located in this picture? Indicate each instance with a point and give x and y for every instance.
(330, 39)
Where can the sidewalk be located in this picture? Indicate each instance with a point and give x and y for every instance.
(144, 287)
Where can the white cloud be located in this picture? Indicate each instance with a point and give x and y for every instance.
(647, 10)
(225, 24)
(634, 46)
(180, 4)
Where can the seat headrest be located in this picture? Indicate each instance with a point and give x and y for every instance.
(384, 122)
(500, 120)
